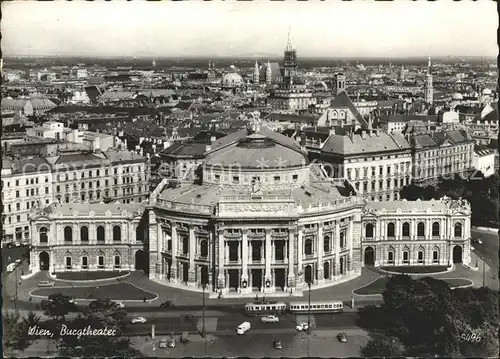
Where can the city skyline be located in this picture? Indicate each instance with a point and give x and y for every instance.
(248, 29)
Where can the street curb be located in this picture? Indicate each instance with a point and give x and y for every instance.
(54, 277)
(448, 270)
(27, 276)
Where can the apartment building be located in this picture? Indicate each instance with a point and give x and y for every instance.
(26, 184)
(440, 154)
(102, 176)
(377, 164)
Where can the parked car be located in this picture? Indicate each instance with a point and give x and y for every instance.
(243, 328)
(167, 304)
(277, 344)
(342, 337)
(270, 319)
(18, 244)
(46, 283)
(185, 337)
(18, 261)
(477, 240)
(171, 343)
(162, 343)
(120, 304)
(140, 320)
(302, 327)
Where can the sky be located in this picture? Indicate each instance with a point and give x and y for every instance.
(259, 28)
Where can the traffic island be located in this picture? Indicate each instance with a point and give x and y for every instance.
(119, 291)
(90, 276)
(416, 270)
(378, 286)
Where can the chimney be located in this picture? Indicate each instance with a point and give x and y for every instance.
(363, 134)
(351, 135)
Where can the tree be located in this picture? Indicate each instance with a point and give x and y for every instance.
(411, 192)
(57, 306)
(16, 331)
(382, 346)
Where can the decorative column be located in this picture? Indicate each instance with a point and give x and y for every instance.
(337, 247)
(442, 228)
(268, 276)
(349, 238)
(153, 244)
(245, 287)
(320, 274)
(397, 230)
(192, 254)
(173, 268)
(291, 275)
(221, 280)
(159, 268)
(299, 251)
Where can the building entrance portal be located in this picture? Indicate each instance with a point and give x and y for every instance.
(256, 279)
(279, 278)
(234, 279)
(457, 254)
(185, 272)
(369, 257)
(44, 261)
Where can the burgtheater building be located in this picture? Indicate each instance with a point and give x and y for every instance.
(261, 218)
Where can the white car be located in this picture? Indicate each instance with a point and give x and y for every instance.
(120, 304)
(302, 327)
(477, 240)
(270, 319)
(472, 248)
(17, 244)
(137, 320)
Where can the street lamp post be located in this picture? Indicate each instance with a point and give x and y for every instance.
(309, 317)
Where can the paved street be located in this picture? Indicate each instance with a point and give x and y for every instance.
(227, 324)
(489, 249)
(295, 345)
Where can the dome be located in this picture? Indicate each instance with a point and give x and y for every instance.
(487, 91)
(457, 96)
(258, 151)
(232, 79)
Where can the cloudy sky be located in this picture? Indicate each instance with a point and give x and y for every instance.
(331, 28)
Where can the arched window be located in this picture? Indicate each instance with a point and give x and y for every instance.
(458, 229)
(420, 229)
(406, 229)
(308, 248)
(326, 244)
(420, 255)
(117, 260)
(390, 256)
(435, 255)
(84, 234)
(101, 237)
(369, 230)
(342, 240)
(117, 234)
(68, 234)
(185, 245)
(43, 235)
(406, 255)
(204, 248)
(68, 262)
(435, 229)
(391, 230)
(100, 260)
(326, 270)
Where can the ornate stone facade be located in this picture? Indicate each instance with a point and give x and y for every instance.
(416, 233)
(79, 237)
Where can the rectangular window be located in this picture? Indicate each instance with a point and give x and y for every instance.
(17, 194)
(277, 178)
(295, 177)
(100, 262)
(406, 256)
(85, 262)
(68, 262)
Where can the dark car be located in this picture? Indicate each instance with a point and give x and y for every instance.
(167, 304)
(277, 344)
(342, 337)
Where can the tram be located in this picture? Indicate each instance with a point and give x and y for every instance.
(276, 308)
(317, 307)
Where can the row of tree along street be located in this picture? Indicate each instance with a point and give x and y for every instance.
(425, 318)
(95, 332)
(480, 192)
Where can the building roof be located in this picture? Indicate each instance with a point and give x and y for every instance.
(186, 149)
(408, 118)
(281, 117)
(132, 209)
(342, 100)
(482, 150)
(406, 206)
(258, 151)
(30, 165)
(356, 144)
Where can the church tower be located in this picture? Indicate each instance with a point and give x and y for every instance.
(256, 73)
(269, 74)
(339, 83)
(290, 61)
(428, 90)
